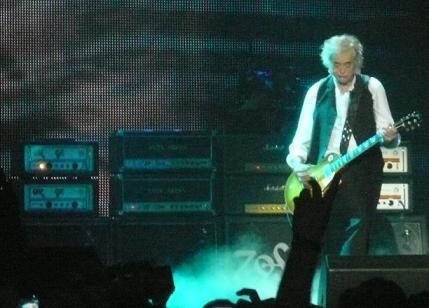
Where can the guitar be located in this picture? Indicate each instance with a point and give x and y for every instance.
(325, 171)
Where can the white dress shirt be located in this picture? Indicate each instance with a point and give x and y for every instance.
(300, 146)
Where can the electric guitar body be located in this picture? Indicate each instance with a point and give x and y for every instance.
(321, 172)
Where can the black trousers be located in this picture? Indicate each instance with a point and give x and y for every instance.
(354, 207)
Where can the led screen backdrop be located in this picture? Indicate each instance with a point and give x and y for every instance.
(83, 69)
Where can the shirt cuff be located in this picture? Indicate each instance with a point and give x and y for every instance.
(292, 160)
(393, 143)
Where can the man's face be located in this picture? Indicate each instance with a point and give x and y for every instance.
(344, 67)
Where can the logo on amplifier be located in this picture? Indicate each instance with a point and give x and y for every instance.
(264, 264)
(275, 188)
(273, 148)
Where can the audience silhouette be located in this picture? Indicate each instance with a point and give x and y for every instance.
(374, 292)
(308, 226)
(11, 244)
(145, 285)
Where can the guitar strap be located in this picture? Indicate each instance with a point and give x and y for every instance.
(355, 97)
(345, 137)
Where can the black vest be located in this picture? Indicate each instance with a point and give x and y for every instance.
(360, 115)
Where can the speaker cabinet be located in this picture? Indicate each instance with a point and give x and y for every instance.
(73, 232)
(60, 275)
(56, 264)
(162, 240)
(399, 235)
(259, 243)
(410, 234)
(411, 273)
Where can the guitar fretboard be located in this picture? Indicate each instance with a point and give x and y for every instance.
(409, 122)
(348, 157)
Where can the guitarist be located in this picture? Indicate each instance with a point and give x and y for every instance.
(345, 94)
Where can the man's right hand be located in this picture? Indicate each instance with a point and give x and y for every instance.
(301, 171)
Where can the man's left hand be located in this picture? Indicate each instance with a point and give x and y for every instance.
(390, 134)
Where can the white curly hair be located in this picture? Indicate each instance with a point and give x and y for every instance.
(338, 44)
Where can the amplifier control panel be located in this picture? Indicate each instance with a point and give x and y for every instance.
(50, 159)
(394, 196)
(395, 160)
(58, 197)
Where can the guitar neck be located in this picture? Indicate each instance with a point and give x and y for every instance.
(348, 157)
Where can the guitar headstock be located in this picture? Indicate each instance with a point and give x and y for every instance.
(410, 122)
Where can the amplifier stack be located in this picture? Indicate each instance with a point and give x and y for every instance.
(161, 173)
(254, 174)
(162, 195)
(396, 191)
(256, 227)
(396, 203)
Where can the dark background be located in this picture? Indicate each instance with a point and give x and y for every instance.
(83, 69)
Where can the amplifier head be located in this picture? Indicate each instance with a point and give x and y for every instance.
(395, 196)
(254, 154)
(396, 160)
(59, 197)
(156, 195)
(59, 157)
(148, 151)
